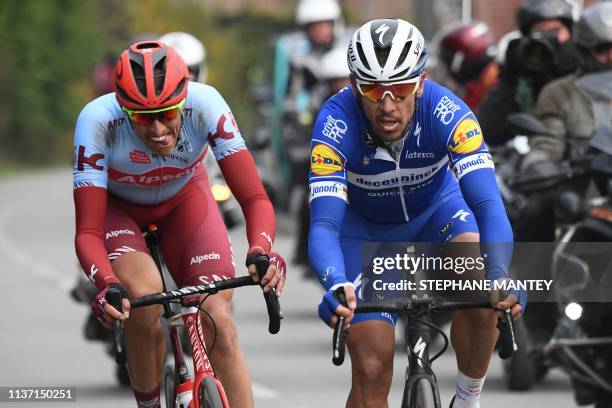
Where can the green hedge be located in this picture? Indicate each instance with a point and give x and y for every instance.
(50, 48)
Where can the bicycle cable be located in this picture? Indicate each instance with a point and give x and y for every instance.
(444, 337)
(214, 325)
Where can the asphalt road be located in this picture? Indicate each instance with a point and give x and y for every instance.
(41, 341)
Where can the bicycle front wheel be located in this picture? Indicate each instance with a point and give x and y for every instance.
(209, 394)
(424, 395)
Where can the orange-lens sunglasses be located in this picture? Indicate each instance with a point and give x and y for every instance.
(147, 117)
(376, 91)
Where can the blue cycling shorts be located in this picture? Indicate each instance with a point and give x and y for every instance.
(438, 224)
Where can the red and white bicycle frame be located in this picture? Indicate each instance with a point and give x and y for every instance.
(201, 364)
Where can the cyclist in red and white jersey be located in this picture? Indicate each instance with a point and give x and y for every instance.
(138, 154)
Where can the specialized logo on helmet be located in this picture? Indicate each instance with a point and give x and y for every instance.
(467, 137)
(381, 30)
(324, 161)
(384, 33)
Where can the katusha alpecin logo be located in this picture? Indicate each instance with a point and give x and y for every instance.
(221, 133)
(155, 177)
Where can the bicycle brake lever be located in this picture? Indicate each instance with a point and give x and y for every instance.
(113, 297)
(339, 337)
(275, 313)
(508, 338)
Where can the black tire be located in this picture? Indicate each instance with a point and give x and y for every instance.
(169, 385)
(209, 394)
(520, 369)
(123, 377)
(424, 395)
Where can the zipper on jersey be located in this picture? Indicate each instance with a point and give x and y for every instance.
(398, 172)
(401, 191)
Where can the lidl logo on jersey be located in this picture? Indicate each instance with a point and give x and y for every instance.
(324, 161)
(467, 137)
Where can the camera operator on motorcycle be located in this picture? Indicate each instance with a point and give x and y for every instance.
(572, 108)
(575, 109)
(575, 106)
(543, 51)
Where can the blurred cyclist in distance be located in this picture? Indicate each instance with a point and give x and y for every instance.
(192, 51)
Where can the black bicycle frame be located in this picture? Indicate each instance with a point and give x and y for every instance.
(418, 342)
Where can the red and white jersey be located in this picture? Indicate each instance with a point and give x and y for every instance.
(108, 154)
(110, 157)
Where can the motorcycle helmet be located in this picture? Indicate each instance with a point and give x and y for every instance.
(532, 11)
(466, 50)
(594, 26)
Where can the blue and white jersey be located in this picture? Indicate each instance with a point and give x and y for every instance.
(443, 151)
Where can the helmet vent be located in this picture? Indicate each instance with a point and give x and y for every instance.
(178, 89)
(400, 74)
(147, 45)
(362, 56)
(365, 75)
(159, 75)
(124, 95)
(139, 77)
(403, 54)
(382, 55)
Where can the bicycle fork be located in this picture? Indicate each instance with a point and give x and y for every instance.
(418, 342)
(187, 389)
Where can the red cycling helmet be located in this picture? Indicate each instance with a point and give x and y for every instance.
(150, 75)
(465, 50)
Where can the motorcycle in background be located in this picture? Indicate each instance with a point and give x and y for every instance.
(582, 342)
(581, 339)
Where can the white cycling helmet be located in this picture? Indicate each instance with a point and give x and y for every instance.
(387, 50)
(333, 65)
(312, 11)
(191, 50)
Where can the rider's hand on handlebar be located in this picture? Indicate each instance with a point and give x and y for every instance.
(515, 301)
(330, 308)
(275, 275)
(104, 312)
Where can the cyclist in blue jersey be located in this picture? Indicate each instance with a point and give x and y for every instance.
(397, 158)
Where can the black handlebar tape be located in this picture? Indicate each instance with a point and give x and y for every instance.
(508, 339)
(339, 337)
(272, 304)
(114, 298)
